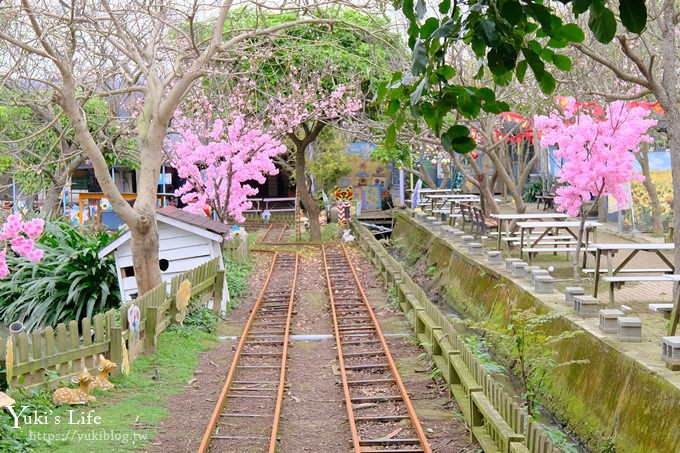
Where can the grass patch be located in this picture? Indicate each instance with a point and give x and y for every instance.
(128, 415)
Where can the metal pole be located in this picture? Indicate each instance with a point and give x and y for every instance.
(402, 201)
(14, 196)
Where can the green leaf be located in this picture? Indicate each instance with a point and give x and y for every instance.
(393, 107)
(418, 91)
(572, 32)
(602, 24)
(429, 27)
(557, 43)
(534, 61)
(391, 136)
(541, 14)
(407, 8)
(546, 54)
(512, 12)
(521, 70)
(486, 94)
(502, 59)
(562, 62)
(502, 79)
(633, 14)
(457, 138)
(444, 30)
(580, 6)
(486, 30)
(444, 6)
(478, 47)
(421, 9)
(445, 72)
(381, 90)
(420, 58)
(547, 82)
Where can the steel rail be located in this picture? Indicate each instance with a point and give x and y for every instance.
(341, 360)
(212, 424)
(264, 235)
(284, 355)
(392, 366)
(283, 231)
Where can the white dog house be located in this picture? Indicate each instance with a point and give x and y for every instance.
(186, 241)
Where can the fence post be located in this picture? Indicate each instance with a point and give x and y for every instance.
(150, 330)
(116, 349)
(218, 291)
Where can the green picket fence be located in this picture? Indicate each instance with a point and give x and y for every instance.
(497, 421)
(45, 356)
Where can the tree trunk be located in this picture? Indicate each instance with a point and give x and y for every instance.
(308, 201)
(52, 201)
(601, 210)
(579, 239)
(643, 158)
(145, 257)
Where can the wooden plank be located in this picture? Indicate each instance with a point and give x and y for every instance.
(89, 361)
(99, 332)
(36, 340)
(47, 362)
(116, 349)
(150, 330)
(22, 348)
(73, 345)
(62, 346)
(48, 334)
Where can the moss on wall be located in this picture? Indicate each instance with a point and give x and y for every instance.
(613, 403)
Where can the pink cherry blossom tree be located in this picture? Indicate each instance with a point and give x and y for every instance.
(598, 148)
(217, 159)
(301, 105)
(300, 113)
(21, 237)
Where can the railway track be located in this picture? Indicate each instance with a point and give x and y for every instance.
(274, 233)
(381, 416)
(246, 415)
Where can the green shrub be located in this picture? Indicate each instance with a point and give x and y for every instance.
(531, 190)
(237, 277)
(70, 282)
(19, 440)
(199, 318)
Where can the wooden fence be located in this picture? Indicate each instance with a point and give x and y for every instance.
(497, 421)
(46, 356)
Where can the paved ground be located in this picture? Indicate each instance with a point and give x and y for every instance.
(632, 298)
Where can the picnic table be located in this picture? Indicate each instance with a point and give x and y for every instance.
(276, 204)
(441, 201)
(508, 218)
(609, 250)
(554, 227)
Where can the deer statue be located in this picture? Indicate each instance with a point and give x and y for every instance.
(102, 379)
(81, 395)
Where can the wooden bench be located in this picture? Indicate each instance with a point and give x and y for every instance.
(530, 251)
(482, 222)
(665, 309)
(512, 241)
(618, 281)
(548, 201)
(658, 270)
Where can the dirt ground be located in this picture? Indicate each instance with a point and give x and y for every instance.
(314, 418)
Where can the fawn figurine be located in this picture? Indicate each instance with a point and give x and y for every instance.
(102, 379)
(81, 395)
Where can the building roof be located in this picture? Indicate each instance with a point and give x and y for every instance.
(192, 219)
(197, 224)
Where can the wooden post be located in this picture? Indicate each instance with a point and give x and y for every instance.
(150, 330)
(116, 349)
(218, 291)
